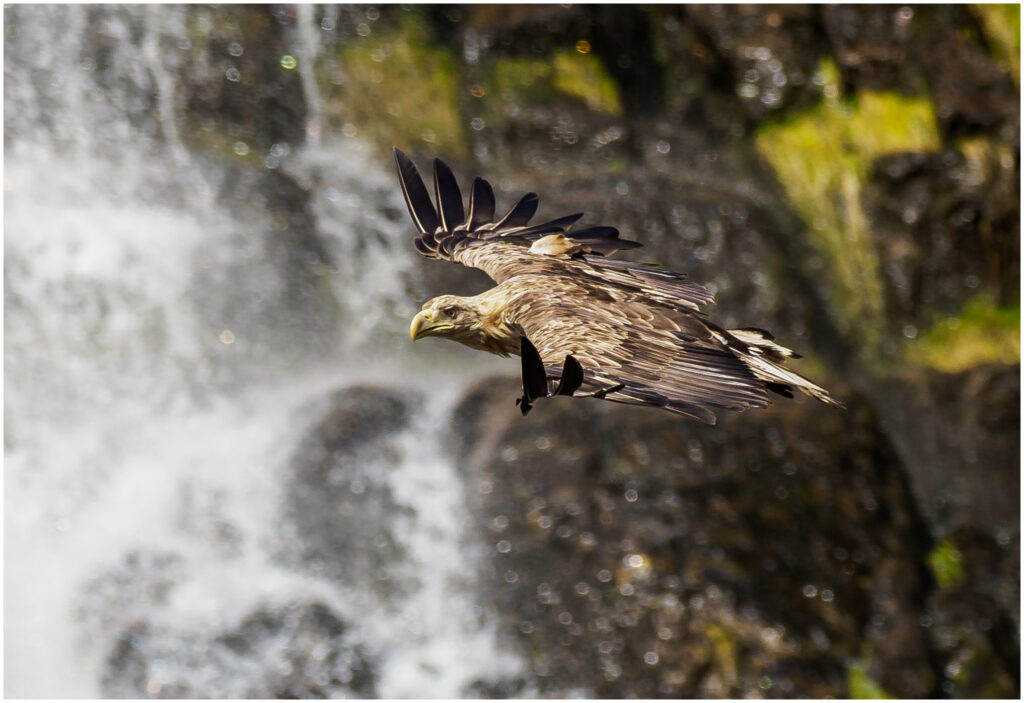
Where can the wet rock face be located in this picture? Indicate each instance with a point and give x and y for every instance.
(299, 651)
(717, 227)
(772, 54)
(976, 624)
(338, 502)
(945, 230)
(237, 84)
(958, 435)
(898, 48)
(292, 650)
(638, 555)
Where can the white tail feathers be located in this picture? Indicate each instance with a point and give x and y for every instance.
(765, 343)
(767, 371)
(765, 359)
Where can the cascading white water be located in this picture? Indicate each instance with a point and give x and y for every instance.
(146, 425)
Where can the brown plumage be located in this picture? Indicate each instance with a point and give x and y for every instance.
(586, 325)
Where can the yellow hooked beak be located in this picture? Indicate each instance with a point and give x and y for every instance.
(427, 324)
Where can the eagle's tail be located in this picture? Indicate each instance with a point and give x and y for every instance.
(766, 358)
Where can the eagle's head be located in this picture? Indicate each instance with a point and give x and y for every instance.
(475, 322)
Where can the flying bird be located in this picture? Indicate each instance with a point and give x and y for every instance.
(586, 325)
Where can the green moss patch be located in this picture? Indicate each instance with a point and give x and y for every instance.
(396, 88)
(862, 686)
(1001, 24)
(981, 333)
(823, 158)
(566, 73)
(945, 563)
(583, 76)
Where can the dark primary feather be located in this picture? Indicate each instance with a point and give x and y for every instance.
(449, 197)
(416, 196)
(481, 204)
(443, 237)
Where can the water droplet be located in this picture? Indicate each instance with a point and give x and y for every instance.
(583, 46)
(747, 91)
(288, 62)
(227, 337)
(504, 546)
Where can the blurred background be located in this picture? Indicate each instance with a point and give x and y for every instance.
(229, 473)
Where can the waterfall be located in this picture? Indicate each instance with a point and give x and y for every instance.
(160, 386)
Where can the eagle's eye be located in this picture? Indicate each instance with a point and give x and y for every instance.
(450, 312)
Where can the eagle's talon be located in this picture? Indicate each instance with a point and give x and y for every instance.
(572, 377)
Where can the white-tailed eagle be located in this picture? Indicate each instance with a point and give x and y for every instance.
(583, 324)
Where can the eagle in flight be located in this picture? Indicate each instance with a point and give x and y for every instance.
(583, 324)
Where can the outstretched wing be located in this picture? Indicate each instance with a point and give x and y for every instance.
(510, 246)
(633, 352)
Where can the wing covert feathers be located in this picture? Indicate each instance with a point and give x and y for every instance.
(636, 352)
